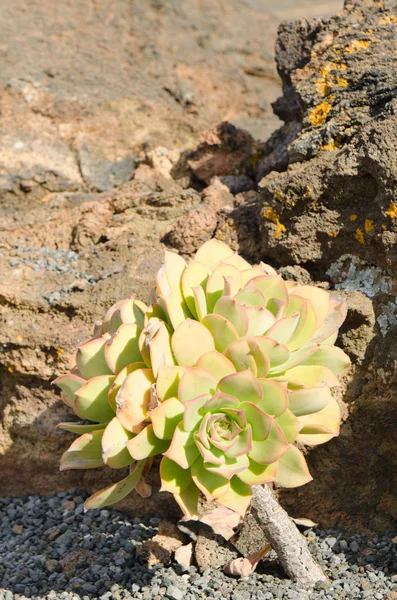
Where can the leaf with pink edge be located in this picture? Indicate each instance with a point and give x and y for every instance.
(117, 491)
(122, 349)
(289, 424)
(318, 297)
(166, 417)
(133, 311)
(260, 421)
(307, 323)
(133, 399)
(230, 467)
(216, 283)
(257, 474)
(237, 261)
(188, 501)
(243, 444)
(238, 497)
(90, 358)
(146, 444)
(250, 296)
(222, 331)
(243, 386)
(168, 379)
(158, 342)
(283, 329)
(192, 416)
(329, 356)
(260, 320)
(174, 479)
(195, 274)
(306, 401)
(91, 400)
(241, 356)
(69, 384)
(292, 469)
(271, 286)
(271, 449)
(275, 399)
(114, 449)
(183, 449)
(213, 252)
(312, 432)
(210, 484)
(190, 341)
(278, 353)
(84, 453)
(232, 311)
(216, 363)
(195, 382)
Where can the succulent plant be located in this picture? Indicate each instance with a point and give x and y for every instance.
(223, 374)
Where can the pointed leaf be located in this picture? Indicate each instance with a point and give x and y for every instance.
(213, 252)
(283, 329)
(329, 417)
(166, 417)
(260, 320)
(238, 497)
(188, 501)
(91, 400)
(195, 274)
(312, 376)
(308, 400)
(159, 345)
(174, 479)
(258, 419)
(192, 416)
(222, 331)
(117, 491)
(216, 363)
(307, 323)
(250, 296)
(190, 341)
(318, 297)
(122, 349)
(216, 283)
(114, 449)
(69, 384)
(242, 445)
(183, 449)
(272, 449)
(146, 444)
(290, 425)
(275, 399)
(210, 484)
(220, 401)
(116, 385)
(167, 383)
(257, 474)
(277, 353)
(232, 311)
(81, 428)
(90, 358)
(195, 382)
(243, 386)
(200, 302)
(84, 453)
(271, 286)
(230, 467)
(329, 356)
(292, 469)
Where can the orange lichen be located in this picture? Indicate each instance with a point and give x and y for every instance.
(353, 217)
(368, 225)
(332, 234)
(318, 116)
(272, 216)
(59, 351)
(10, 368)
(356, 46)
(392, 211)
(342, 82)
(19, 338)
(359, 236)
(389, 19)
(308, 193)
(280, 228)
(331, 146)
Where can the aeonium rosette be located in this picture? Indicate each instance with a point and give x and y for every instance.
(221, 375)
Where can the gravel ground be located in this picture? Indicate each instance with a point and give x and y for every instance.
(50, 549)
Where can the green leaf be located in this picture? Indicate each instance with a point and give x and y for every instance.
(216, 363)
(123, 349)
(290, 425)
(329, 356)
(69, 384)
(242, 445)
(283, 329)
(196, 382)
(90, 358)
(275, 399)
(210, 484)
(166, 417)
(250, 296)
(213, 252)
(195, 274)
(116, 385)
(167, 383)
(222, 331)
(216, 283)
(188, 501)
(238, 497)
(312, 376)
(159, 344)
(260, 421)
(84, 453)
(91, 400)
(192, 416)
(117, 491)
(329, 417)
(307, 323)
(257, 474)
(292, 469)
(260, 320)
(271, 286)
(81, 428)
(277, 353)
(230, 467)
(243, 386)
(232, 311)
(190, 341)
(133, 399)
(306, 401)
(114, 449)
(146, 444)
(133, 311)
(174, 479)
(183, 449)
(272, 449)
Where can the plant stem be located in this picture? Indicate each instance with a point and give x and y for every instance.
(285, 538)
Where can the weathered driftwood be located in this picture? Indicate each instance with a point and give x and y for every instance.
(285, 538)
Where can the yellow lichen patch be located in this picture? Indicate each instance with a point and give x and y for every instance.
(322, 86)
(278, 195)
(356, 46)
(280, 228)
(368, 225)
(19, 338)
(389, 19)
(332, 234)
(384, 227)
(359, 236)
(392, 211)
(331, 146)
(271, 215)
(318, 116)
(353, 217)
(11, 368)
(59, 351)
(342, 82)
